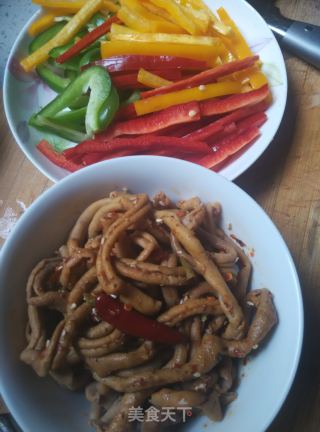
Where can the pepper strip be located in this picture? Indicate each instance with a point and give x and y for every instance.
(73, 6)
(157, 103)
(125, 63)
(197, 52)
(67, 33)
(183, 113)
(150, 79)
(166, 38)
(57, 158)
(138, 21)
(204, 77)
(177, 15)
(134, 323)
(238, 44)
(87, 40)
(41, 24)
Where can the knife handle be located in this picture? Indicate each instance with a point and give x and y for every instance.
(303, 40)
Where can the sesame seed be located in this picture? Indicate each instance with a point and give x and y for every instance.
(159, 220)
(255, 346)
(197, 374)
(202, 87)
(192, 113)
(215, 149)
(47, 343)
(73, 306)
(63, 333)
(249, 303)
(94, 311)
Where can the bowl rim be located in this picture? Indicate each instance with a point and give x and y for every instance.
(12, 239)
(237, 168)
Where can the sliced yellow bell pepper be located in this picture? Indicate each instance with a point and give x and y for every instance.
(237, 43)
(156, 10)
(177, 15)
(215, 22)
(258, 79)
(139, 22)
(151, 80)
(41, 24)
(198, 52)
(120, 29)
(199, 17)
(167, 38)
(252, 76)
(74, 6)
(157, 103)
(67, 33)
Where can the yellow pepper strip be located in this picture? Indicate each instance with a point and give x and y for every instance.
(65, 34)
(74, 6)
(177, 15)
(151, 80)
(142, 24)
(199, 17)
(238, 44)
(156, 10)
(157, 103)
(120, 29)
(41, 24)
(257, 80)
(198, 52)
(216, 23)
(167, 38)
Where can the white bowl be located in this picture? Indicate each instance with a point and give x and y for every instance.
(24, 94)
(39, 404)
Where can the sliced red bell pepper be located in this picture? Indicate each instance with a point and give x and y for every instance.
(228, 146)
(215, 127)
(205, 77)
(256, 120)
(134, 323)
(233, 102)
(94, 157)
(58, 159)
(126, 63)
(159, 120)
(139, 144)
(127, 81)
(88, 39)
(126, 112)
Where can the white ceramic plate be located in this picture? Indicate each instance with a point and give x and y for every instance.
(39, 404)
(24, 94)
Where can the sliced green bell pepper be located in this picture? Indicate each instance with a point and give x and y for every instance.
(102, 106)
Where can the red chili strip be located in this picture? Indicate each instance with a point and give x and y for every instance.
(88, 39)
(228, 146)
(142, 144)
(135, 62)
(135, 324)
(58, 159)
(177, 114)
(205, 77)
(233, 102)
(218, 125)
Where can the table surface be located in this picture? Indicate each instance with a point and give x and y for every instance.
(286, 183)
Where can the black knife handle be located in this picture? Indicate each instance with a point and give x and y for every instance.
(303, 40)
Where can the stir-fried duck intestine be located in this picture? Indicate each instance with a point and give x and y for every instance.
(169, 263)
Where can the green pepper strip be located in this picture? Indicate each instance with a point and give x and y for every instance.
(103, 102)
